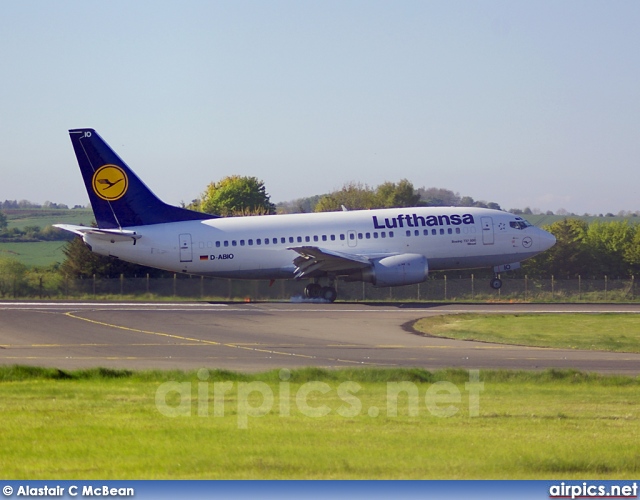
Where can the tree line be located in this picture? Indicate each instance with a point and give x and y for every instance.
(359, 196)
(26, 204)
(30, 234)
(239, 196)
(598, 249)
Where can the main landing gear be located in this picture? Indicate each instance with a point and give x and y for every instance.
(317, 291)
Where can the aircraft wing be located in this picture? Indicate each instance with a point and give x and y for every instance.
(314, 260)
(103, 234)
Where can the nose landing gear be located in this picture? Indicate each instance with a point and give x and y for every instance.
(496, 282)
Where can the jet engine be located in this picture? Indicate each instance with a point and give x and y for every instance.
(397, 270)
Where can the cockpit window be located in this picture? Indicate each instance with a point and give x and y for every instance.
(520, 223)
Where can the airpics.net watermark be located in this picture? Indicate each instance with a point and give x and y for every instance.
(257, 399)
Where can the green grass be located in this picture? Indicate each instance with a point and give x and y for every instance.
(601, 332)
(105, 424)
(40, 253)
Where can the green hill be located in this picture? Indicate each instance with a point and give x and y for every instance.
(43, 217)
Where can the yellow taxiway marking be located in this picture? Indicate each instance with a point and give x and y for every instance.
(146, 344)
(180, 337)
(202, 341)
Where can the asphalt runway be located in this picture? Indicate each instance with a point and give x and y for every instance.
(263, 336)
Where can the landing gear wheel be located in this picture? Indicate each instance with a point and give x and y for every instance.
(312, 291)
(496, 283)
(328, 293)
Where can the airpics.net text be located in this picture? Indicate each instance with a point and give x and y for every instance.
(257, 399)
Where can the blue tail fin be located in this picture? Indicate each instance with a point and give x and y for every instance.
(118, 197)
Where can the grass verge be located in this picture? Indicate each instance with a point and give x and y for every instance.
(312, 423)
(599, 332)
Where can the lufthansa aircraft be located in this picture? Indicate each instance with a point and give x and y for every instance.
(387, 247)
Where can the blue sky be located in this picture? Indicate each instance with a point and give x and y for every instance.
(523, 103)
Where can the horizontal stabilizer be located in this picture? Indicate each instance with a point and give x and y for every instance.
(104, 234)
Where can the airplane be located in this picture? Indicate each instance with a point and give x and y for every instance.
(385, 247)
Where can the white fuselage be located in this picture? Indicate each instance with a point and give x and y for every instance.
(260, 247)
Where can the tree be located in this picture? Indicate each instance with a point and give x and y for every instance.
(354, 196)
(358, 196)
(632, 252)
(237, 195)
(3, 222)
(298, 206)
(569, 257)
(438, 197)
(400, 195)
(12, 278)
(608, 243)
(80, 262)
(466, 201)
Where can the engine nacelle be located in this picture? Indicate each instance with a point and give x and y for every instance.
(397, 270)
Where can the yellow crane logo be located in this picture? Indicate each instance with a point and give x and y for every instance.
(110, 182)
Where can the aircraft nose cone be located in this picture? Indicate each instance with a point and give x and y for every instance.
(547, 240)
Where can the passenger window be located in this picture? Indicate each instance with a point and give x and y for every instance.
(241, 243)
(426, 232)
(333, 237)
(383, 234)
(258, 241)
(352, 236)
(457, 230)
(324, 237)
(359, 236)
(226, 243)
(275, 241)
(450, 231)
(290, 239)
(441, 231)
(390, 234)
(417, 232)
(307, 239)
(250, 242)
(266, 241)
(375, 236)
(234, 243)
(434, 232)
(299, 239)
(408, 232)
(368, 236)
(342, 237)
(217, 244)
(315, 238)
(283, 240)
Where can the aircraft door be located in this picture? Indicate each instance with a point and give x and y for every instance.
(487, 230)
(352, 239)
(186, 254)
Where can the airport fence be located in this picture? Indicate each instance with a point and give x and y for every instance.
(436, 288)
